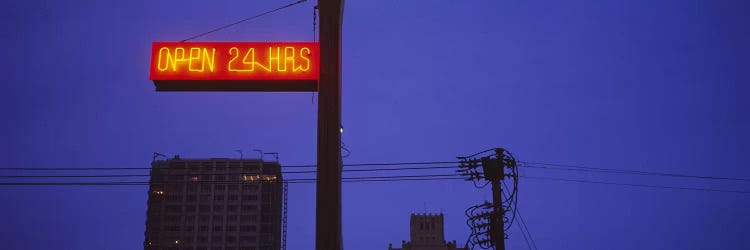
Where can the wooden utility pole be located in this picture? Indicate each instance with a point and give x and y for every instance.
(497, 225)
(328, 203)
(496, 173)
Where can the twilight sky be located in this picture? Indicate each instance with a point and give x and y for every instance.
(628, 84)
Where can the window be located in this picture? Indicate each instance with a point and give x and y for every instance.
(203, 228)
(267, 206)
(248, 228)
(218, 208)
(174, 218)
(175, 187)
(173, 208)
(189, 219)
(215, 238)
(190, 198)
(235, 178)
(232, 197)
(246, 208)
(231, 228)
(203, 218)
(205, 188)
(202, 239)
(219, 177)
(192, 187)
(231, 217)
(218, 218)
(248, 218)
(174, 197)
(250, 177)
(218, 228)
(247, 239)
(204, 209)
(231, 208)
(231, 239)
(189, 208)
(189, 229)
(250, 197)
(218, 197)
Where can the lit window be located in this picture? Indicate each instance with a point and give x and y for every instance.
(250, 177)
(194, 178)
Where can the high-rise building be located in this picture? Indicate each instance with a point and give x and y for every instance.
(208, 204)
(426, 233)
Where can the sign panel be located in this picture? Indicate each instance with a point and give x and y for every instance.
(235, 66)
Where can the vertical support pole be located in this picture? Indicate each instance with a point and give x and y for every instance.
(498, 224)
(328, 197)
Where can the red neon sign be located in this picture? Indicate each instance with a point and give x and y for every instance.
(229, 66)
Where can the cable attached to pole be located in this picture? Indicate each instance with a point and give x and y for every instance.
(243, 20)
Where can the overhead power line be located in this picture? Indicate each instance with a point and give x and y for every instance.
(522, 226)
(145, 183)
(523, 222)
(621, 171)
(224, 174)
(526, 164)
(283, 167)
(523, 232)
(244, 20)
(637, 185)
(365, 179)
(431, 176)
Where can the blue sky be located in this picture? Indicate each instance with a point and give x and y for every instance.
(640, 85)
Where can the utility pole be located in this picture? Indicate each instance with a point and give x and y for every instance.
(497, 225)
(494, 171)
(487, 220)
(328, 197)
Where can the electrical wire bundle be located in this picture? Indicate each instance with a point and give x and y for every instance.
(468, 167)
(481, 217)
(509, 161)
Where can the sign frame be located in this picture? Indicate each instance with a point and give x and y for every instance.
(174, 66)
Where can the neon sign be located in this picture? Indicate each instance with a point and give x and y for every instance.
(235, 66)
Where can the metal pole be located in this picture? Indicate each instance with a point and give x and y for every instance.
(328, 197)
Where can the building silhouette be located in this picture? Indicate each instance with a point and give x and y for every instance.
(206, 204)
(426, 233)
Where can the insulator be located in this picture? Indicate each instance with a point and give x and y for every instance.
(487, 204)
